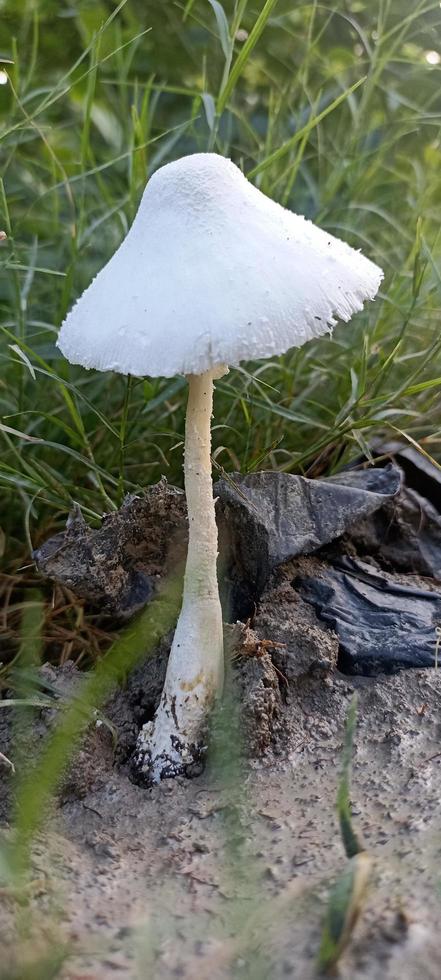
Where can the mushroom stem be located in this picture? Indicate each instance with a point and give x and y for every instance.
(175, 740)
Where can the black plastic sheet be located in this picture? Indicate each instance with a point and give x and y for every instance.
(420, 472)
(382, 624)
(404, 535)
(267, 518)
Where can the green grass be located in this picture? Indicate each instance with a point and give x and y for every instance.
(335, 112)
(347, 896)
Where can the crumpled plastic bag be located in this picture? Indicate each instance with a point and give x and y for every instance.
(266, 518)
(420, 472)
(404, 535)
(382, 624)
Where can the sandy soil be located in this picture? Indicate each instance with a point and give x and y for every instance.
(229, 874)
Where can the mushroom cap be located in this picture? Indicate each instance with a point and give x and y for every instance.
(212, 272)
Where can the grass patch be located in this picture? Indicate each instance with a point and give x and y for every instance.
(333, 112)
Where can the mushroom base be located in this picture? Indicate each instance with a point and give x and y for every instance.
(175, 741)
(182, 759)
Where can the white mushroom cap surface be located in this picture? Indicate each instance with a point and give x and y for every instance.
(213, 272)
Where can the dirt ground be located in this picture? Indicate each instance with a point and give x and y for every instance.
(229, 874)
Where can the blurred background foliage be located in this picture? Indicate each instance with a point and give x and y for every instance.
(332, 109)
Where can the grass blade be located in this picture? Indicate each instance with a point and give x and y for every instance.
(244, 55)
(305, 130)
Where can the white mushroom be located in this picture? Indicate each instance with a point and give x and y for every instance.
(211, 273)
